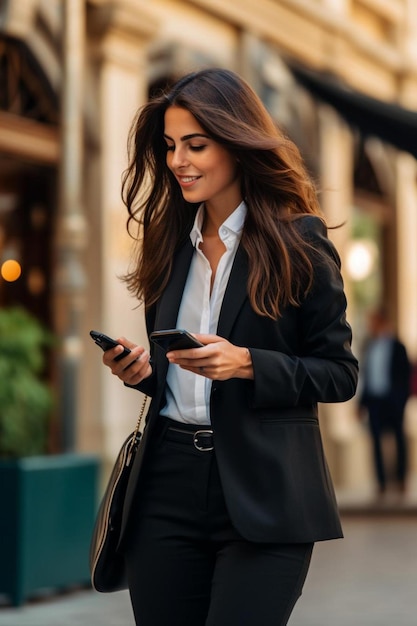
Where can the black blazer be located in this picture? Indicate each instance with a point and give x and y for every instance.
(268, 446)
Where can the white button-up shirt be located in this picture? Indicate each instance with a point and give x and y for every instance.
(188, 394)
(378, 366)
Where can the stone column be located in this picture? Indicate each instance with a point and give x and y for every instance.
(118, 36)
(406, 225)
(406, 216)
(346, 446)
(71, 224)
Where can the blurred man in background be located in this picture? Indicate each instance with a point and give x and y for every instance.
(386, 373)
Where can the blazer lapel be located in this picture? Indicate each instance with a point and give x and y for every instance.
(235, 294)
(169, 304)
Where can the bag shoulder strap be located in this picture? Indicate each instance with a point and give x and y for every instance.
(134, 442)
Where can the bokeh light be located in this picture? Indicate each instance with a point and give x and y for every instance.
(11, 270)
(361, 258)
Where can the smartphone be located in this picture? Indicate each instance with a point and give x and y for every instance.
(106, 343)
(174, 339)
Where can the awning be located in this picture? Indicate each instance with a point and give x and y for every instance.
(390, 122)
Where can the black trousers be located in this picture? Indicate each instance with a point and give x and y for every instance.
(187, 565)
(386, 415)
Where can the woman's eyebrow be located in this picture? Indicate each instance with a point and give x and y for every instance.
(187, 137)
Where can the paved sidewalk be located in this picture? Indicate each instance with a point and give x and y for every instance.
(367, 579)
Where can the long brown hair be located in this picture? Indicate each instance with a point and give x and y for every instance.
(275, 185)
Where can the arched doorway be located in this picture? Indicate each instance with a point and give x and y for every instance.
(29, 153)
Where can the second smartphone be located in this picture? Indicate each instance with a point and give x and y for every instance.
(174, 339)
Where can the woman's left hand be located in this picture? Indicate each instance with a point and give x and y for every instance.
(218, 359)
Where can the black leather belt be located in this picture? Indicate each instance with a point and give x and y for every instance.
(200, 438)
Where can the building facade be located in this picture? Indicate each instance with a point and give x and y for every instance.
(72, 75)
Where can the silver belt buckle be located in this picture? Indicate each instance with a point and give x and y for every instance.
(204, 433)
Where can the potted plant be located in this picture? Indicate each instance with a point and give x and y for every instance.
(25, 399)
(49, 500)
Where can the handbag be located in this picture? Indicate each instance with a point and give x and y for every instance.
(107, 566)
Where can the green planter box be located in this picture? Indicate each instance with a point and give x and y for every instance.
(48, 507)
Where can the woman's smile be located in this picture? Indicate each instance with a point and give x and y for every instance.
(187, 181)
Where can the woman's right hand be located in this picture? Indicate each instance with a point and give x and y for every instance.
(134, 367)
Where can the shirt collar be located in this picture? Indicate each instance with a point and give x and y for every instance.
(233, 224)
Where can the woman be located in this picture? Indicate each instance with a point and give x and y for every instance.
(231, 488)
